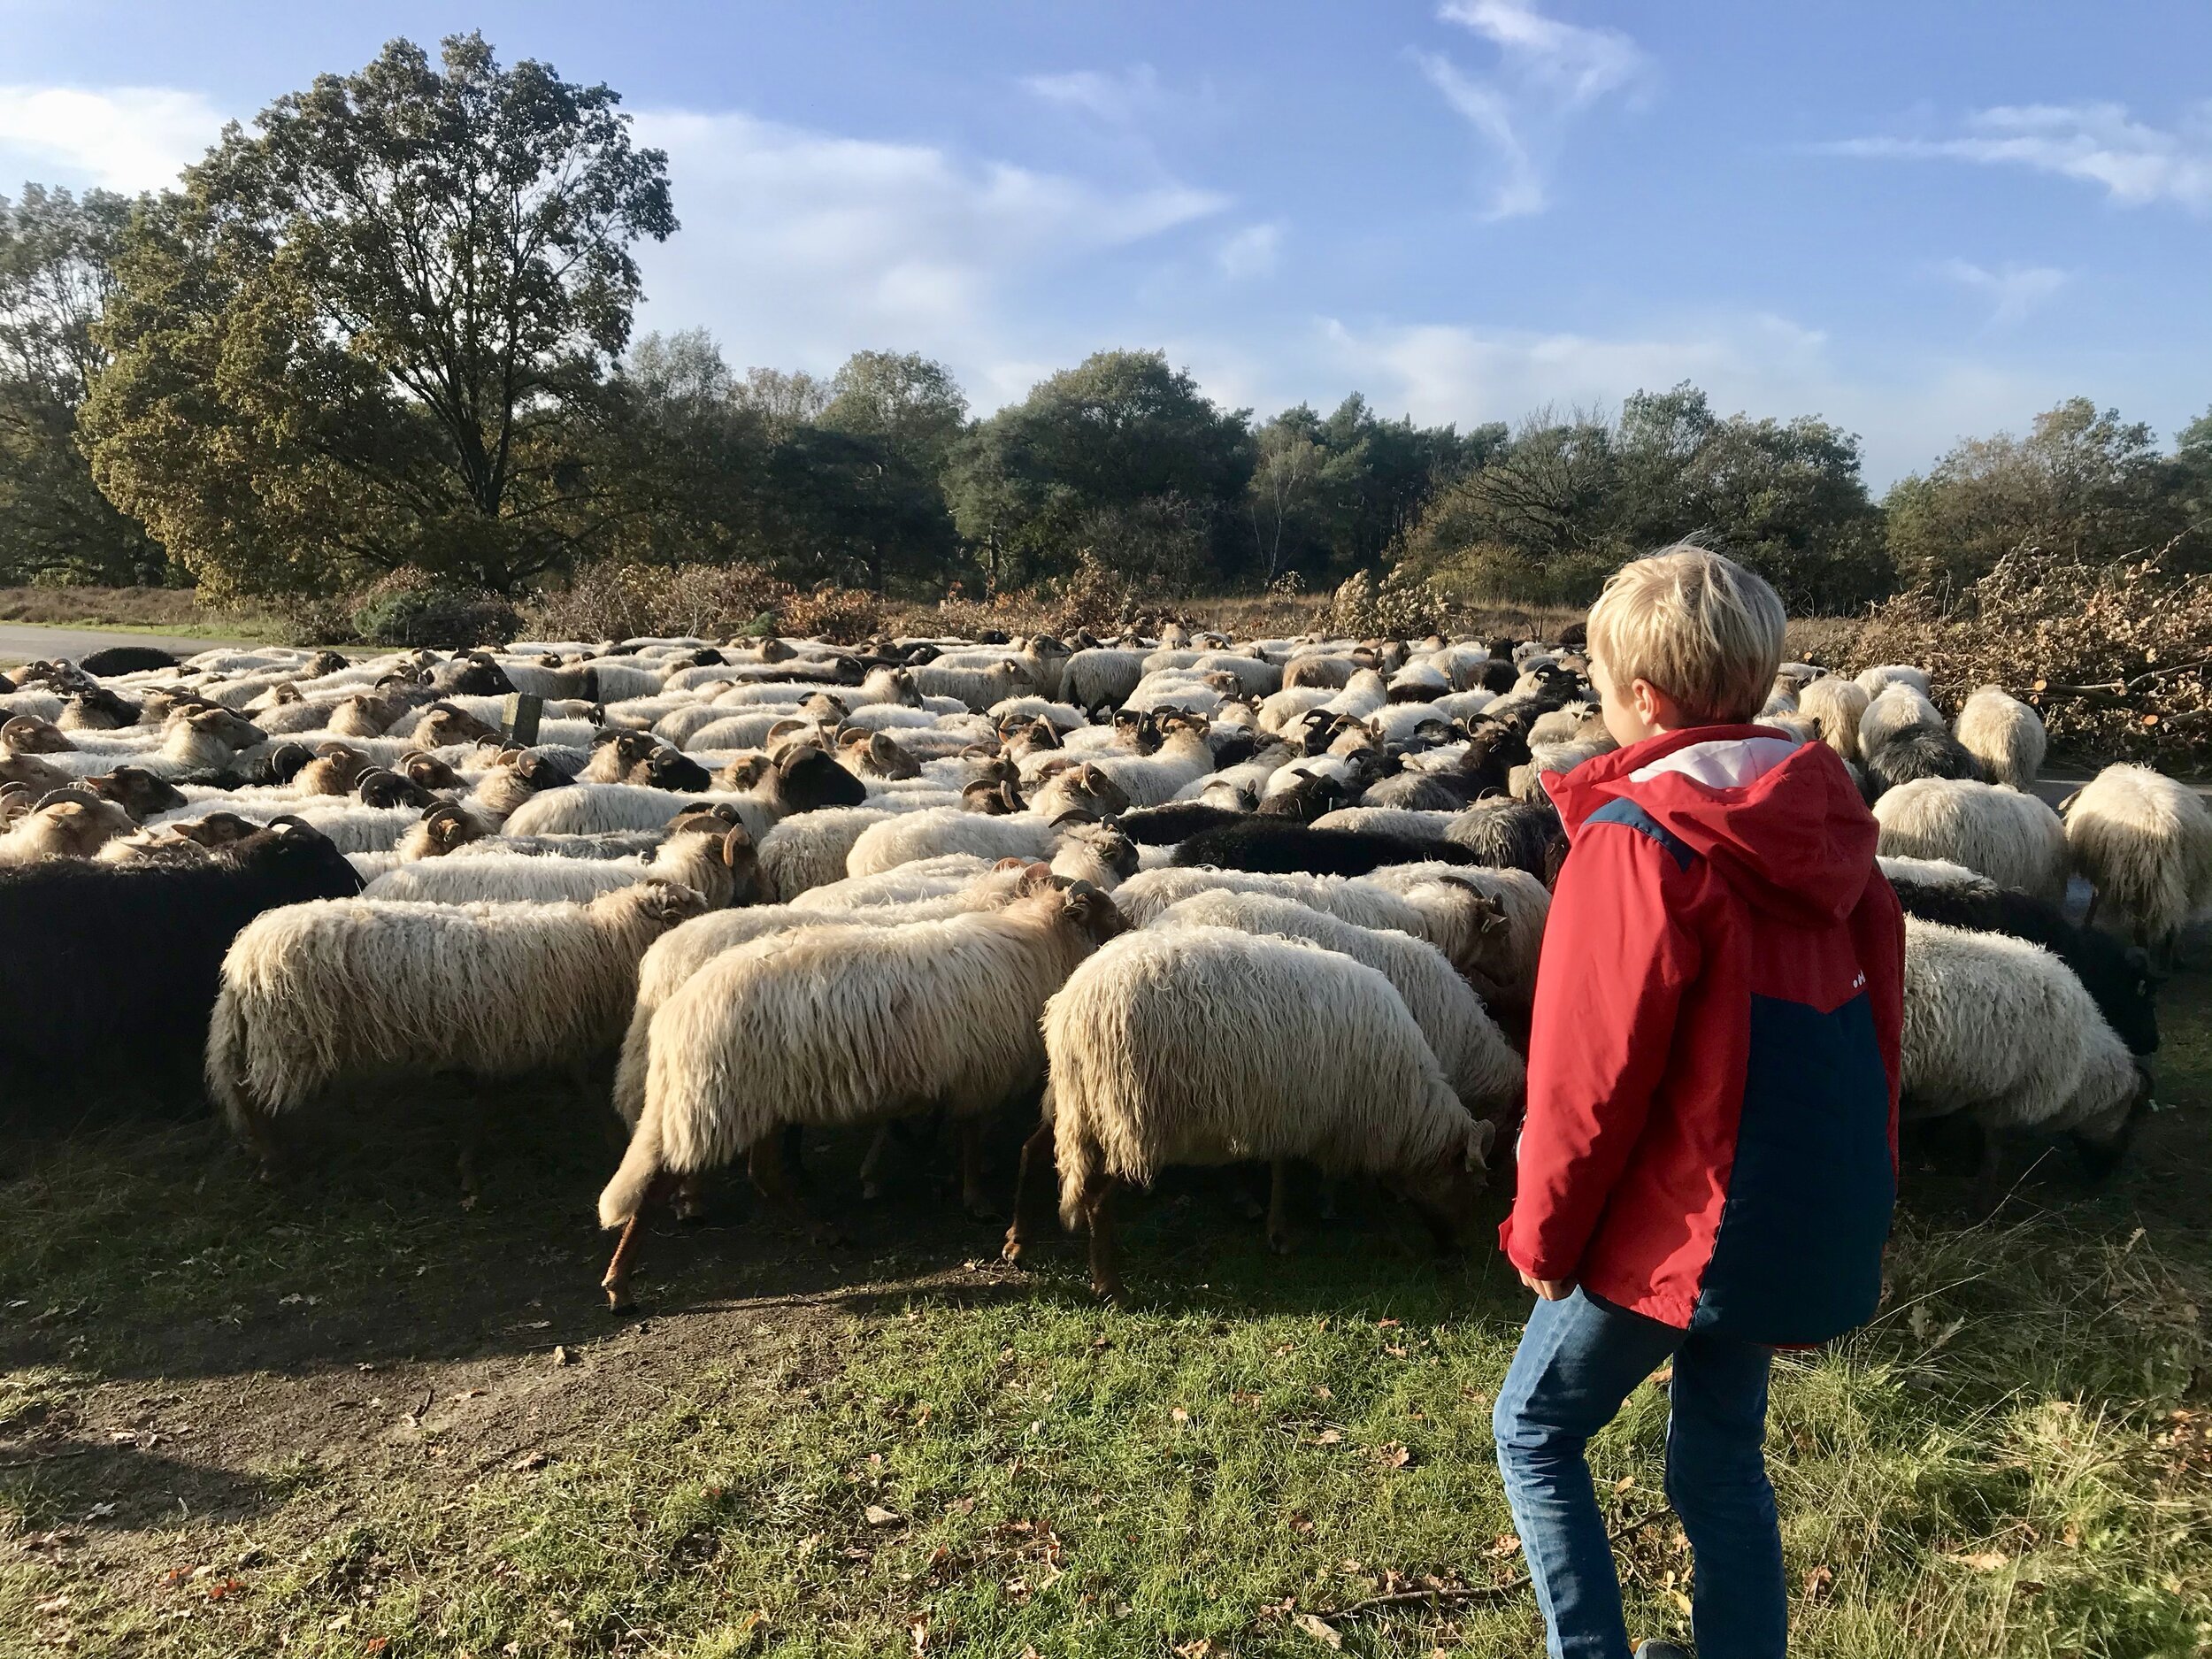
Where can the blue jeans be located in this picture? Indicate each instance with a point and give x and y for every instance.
(1578, 1359)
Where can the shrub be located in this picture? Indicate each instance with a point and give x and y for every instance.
(2116, 658)
(1402, 606)
(408, 606)
(616, 600)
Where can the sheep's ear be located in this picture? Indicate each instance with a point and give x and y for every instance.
(1035, 879)
(1011, 864)
(1479, 1141)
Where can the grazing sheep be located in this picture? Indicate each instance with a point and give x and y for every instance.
(1913, 752)
(1482, 1069)
(135, 949)
(1838, 704)
(1896, 710)
(2144, 842)
(2003, 734)
(1102, 678)
(587, 808)
(1153, 779)
(2013, 839)
(1507, 834)
(680, 953)
(714, 859)
(69, 823)
(1265, 842)
(314, 993)
(2002, 1031)
(799, 1028)
(1933, 872)
(1875, 681)
(2117, 976)
(909, 837)
(1329, 1067)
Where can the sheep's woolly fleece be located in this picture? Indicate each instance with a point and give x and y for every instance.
(843, 1025)
(1328, 1064)
(2001, 1030)
(1478, 1062)
(2003, 734)
(679, 953)
(2013, 839)
(311, 991)
(2144, 842)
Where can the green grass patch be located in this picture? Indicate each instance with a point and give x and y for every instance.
(348, 1418)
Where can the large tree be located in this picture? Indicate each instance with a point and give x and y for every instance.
(902, 398)
(2083, 484)
(57, 263)
(376, 330)
(1120, 430)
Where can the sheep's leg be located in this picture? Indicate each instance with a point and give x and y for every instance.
(617, 1282)
(794, 1154)
(474, 1112)
(1098, 1194)
(1989, 1183)
(1245, 1178)
(1329, 1185)
(258, 1129)
(1030, 1184)
(764, 1162)
(1279, 1207)
(972, 1198)
(871, 1166)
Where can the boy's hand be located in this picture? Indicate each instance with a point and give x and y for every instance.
(1549, 1290)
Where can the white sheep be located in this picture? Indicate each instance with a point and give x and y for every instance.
(2002, 1031)
(1478, 1064)
(1838, 704)
(2003, 734)
(2012, 838)
(714, 861)
(1328, 1066)
(811, 850)
(1896, 710)
(1875, 681)
(311, 993)
(587, 808)
(903, 884)
(2144, 841)
(799, 1027)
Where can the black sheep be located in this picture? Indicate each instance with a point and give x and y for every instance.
(1507, 834)
(126, 659)
(667, 768)
(2116, 975)
(1176, 821)
(122, 961)
(1282, 847)
(1919, 751)
(805, 779)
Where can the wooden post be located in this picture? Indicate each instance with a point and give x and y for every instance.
(519, 721)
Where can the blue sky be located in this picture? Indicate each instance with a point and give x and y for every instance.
(1921, 220)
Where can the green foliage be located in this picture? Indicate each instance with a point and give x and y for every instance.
(1120, 429)
(57, 257)
(374, 332)
(1552, 511)
(2081, 485)
(412, 607)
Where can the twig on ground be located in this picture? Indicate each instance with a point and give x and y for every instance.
(1473, 1592)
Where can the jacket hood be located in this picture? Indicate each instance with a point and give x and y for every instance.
(1780, 820)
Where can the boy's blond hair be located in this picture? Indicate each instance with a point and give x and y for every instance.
(1699, 626)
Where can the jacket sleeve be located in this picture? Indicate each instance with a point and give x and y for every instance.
(1618, 955)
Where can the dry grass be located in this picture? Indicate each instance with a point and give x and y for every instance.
(132, 610)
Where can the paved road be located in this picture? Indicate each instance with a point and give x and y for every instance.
(20, 641)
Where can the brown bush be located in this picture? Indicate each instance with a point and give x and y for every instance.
(2117, 657)
(614, 600)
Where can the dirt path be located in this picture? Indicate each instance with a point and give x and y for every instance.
(22, 642)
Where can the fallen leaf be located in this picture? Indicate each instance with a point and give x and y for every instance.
(562, 1355)
(1393, 1456)
(528, 1461)
(1983, 1560)
(1682, 1604)
(1385, 1324)
(1394, 1351)
(376, 1644)
(1819, 1581)
(1661, 1377)
(471, 1393)
(1321, 1631)
(1328, 1436)
(229, 1586)
(878, 1516)
(52, 1604)
(1179, 1415)
(1506, 1544)
(99, 1512)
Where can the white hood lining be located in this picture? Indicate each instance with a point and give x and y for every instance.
(1728, 763)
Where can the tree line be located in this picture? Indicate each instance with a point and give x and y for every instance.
(388, 328)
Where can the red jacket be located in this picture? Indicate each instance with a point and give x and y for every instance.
(1713, 1061)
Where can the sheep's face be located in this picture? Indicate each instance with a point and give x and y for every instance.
(446, 725)
(429, 770)
(668, 769)
(1448, 1190)
(885, 757)
(659, 904)
(137, 791)
(79, 823)
(27, 734)
(743, 772)
(34, 774)
(380, 788)
(304, 858)
(100, 710)
(232, 731)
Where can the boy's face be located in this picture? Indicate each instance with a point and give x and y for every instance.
(1631, 711)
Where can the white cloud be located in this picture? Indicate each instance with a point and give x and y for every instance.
(2095, 144)
(1579, 64)
(1118, 98)
(122, 138)
(2013, 291)
(1250, 252)
(799, 247)
(1909, 411)
(1549, 72)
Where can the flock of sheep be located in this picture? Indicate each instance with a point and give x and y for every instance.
(1186, 900)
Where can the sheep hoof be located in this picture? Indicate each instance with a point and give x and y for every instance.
(827, 1235)
(1278, 1240)
(980, 1208)
(468, 1200)
(1112, 1290)
(1010, 1253)
(870, 1192)
(618, 1297)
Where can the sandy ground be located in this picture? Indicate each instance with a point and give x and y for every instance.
(20, 641)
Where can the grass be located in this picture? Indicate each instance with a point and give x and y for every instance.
(160, 611)
(350, 1418)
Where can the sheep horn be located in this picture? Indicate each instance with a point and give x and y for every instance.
(66, 795)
